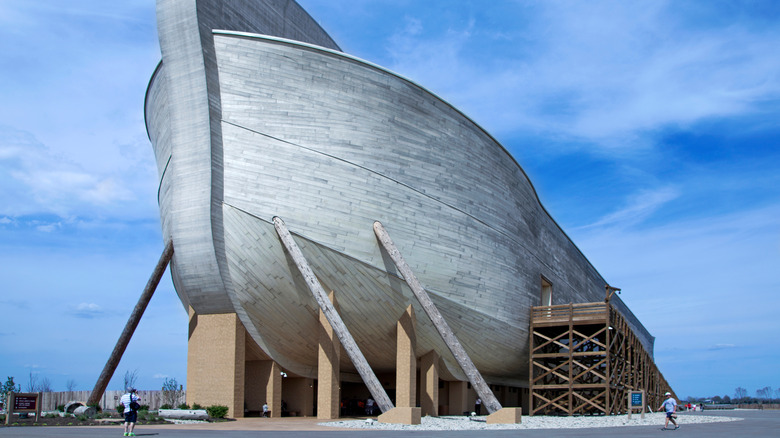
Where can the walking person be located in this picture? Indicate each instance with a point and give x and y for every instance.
(130, 402)
(478, 406)
(670, 406)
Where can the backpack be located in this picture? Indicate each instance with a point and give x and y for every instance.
(134, 406)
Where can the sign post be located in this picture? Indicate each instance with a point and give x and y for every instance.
(636, 400)
(23, 402)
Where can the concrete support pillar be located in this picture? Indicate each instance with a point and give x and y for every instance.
(273, 387)
(429, 384)
(406, 360)
(328, 369)
(459, 398)
(216, 353)
(406, 410)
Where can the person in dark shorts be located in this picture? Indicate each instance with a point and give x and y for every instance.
(670, 406)
(130, 402)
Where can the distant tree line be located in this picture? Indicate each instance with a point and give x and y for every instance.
(37, 383)
(763, 395)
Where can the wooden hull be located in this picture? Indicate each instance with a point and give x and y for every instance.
(330, 144)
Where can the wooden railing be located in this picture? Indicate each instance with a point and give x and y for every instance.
(566, 312)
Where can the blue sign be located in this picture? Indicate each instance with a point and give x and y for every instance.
(636, 399)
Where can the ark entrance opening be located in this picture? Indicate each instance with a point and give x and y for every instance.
(546, 292)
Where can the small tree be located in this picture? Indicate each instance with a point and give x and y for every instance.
(45, 385)
(70, 385)
(764, 394)
(32, 383)
(171, 392)
(38, 385)
(8, 386)
(129, 380)
(740, 394)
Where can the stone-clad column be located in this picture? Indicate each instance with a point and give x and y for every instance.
(406, 410)
(429, 384)
(273, 389)
(328, 370)
(216, 354)
(406, 361)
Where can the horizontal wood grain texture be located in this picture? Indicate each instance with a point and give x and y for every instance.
(191, 213)
(253, 127)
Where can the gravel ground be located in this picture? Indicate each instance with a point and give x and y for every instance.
(536, 422)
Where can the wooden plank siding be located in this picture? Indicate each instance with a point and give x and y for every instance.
(279, 123)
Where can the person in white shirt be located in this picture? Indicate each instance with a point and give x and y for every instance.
(129, 401)
(670, 406)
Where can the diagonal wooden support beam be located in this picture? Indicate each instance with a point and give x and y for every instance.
(475, 378)
(549, 340)
(132, 323)
(347, 341)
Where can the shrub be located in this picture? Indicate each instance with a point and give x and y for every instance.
(61, 408)
(166, 406)
(196, 406)
(82, 418)
(217, 411)
(51, 415)
(96, 406)
(144, 408)
(183, 406)
(120, 408)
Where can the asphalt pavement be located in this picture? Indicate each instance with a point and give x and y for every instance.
(755, 423)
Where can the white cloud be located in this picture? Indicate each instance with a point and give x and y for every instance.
(88, 311)
(638, 208)
(607, 73)
(40, 181)
(710, 272)
(48, 228)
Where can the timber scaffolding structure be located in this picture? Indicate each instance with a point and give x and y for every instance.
(585, 360)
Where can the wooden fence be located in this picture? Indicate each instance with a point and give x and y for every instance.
(109, 401)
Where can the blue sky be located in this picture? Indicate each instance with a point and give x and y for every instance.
(651, 131)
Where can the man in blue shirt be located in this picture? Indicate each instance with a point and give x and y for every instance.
(670, 406)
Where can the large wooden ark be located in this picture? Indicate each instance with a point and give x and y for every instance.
(255, 113)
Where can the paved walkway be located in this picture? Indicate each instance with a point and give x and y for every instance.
(756, 424)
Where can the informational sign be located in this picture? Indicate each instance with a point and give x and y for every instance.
(25, 403)
(636, 400)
